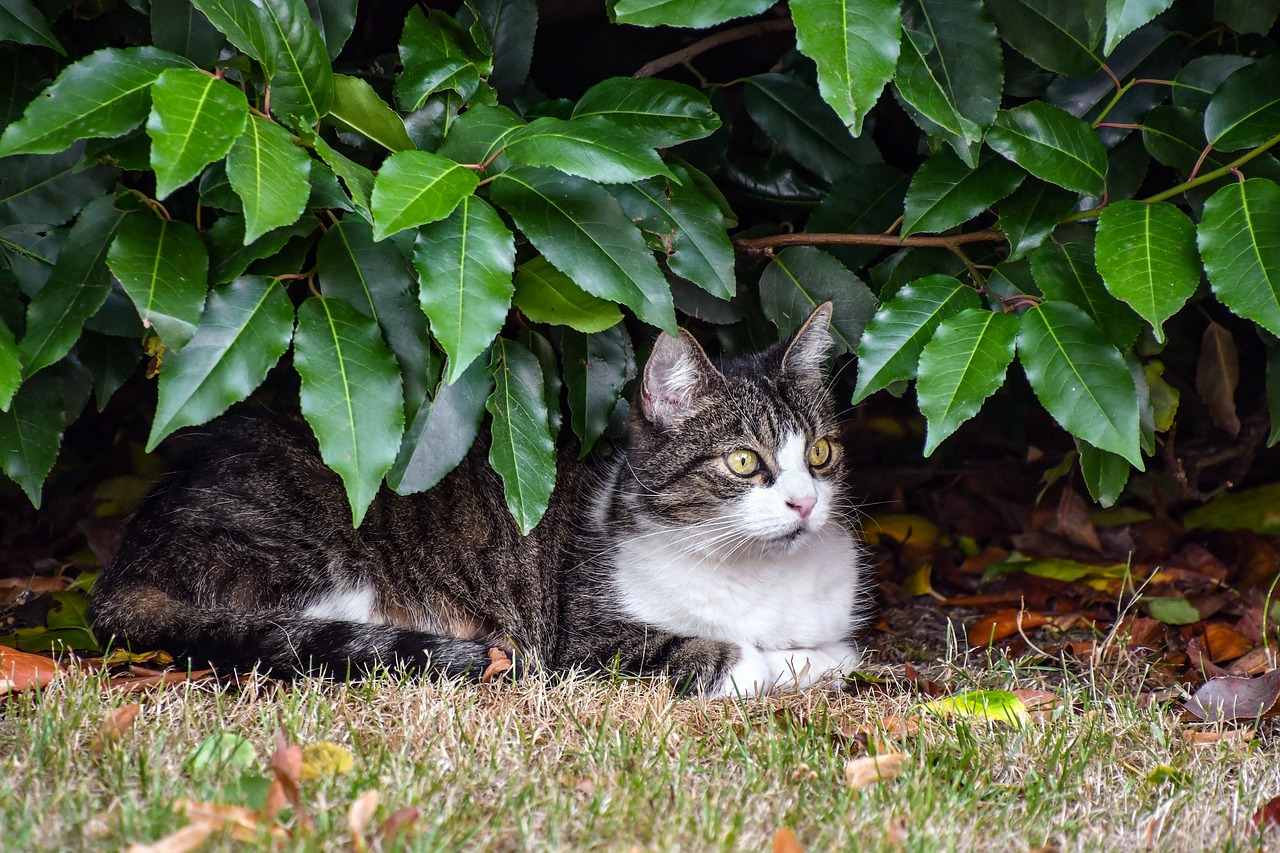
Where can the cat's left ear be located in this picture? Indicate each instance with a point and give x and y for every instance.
(806, 352)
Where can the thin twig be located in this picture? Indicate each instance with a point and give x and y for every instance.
(712, 41)
(768, 244)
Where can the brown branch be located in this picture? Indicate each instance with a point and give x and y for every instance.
(768, 244)
(712, 41)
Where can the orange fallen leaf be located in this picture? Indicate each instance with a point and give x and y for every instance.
(400, 822)
(784, 841)
(1004, 623)
(1224, 643)
(114, 725)
(861, 772)
(1233, 738)
(359, 816)
(286, 764)
(131, 684)
(498, 664)
(184, 840)
(22, 670)
(1039, 703)
(1268, 815)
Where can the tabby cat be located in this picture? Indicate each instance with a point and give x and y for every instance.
(713, 548)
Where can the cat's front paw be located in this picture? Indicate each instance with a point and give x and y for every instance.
(750, 676)
(796, 669)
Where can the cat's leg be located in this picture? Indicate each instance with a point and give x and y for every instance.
(796, 669)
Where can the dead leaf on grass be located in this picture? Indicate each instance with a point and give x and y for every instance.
(1255, 662)
(1224, 643)
(114, 725)
(1234, 739)
(784, 841)
(498, 664)
(22, 670)
(286, 764)
(1268, 815)
(1001, 624)
(861, 772)
(133, 684)
(184, 840)
(359, 816)
(400, 823)
(1227, 698)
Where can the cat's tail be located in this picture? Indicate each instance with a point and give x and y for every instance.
(283, 644)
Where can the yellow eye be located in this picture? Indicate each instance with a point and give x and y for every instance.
(819, 453)
(742, 462)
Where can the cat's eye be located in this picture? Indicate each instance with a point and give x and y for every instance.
(742, 462)
(819, 453)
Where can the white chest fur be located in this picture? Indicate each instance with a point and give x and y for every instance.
(805, 597)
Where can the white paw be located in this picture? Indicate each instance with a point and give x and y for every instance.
(796, 669)
(750, 676)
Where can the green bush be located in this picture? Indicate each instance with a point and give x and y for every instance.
(431, 238)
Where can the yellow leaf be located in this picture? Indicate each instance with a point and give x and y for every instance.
(861, 772)
(323, 759)
(999, 706)
(920, 582)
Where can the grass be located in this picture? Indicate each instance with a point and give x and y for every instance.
(585, 764)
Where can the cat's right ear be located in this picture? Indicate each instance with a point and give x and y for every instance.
(677, 373)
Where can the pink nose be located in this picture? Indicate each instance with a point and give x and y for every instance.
(803, 506)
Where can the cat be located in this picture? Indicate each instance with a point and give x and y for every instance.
(713, 548)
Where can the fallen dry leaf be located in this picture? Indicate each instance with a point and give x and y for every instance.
(1228, 698)
(1004, 623)
(784, 841)
(1224, 643)
(1233, 738)
(22, 670)
(113, 727)
(895, 831)
(861, 772)
(132, 684)
(400, 822)
(241, 822)
(359, 816)
(1040, 704)
(1256, 662)
(1268, 815)
(286, 764)
(190, 837)
(498, 664)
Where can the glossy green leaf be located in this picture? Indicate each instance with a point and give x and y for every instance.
(511, 26)
(31, 430)
(164, 267)
(269, 173)
(945, 192)
(414, 188)
(1245, 110)
(596, 366)
(550, 361)
(1080, 378)
(1239, 240)
(351, 395)
(660, 113)
(179, 27)
(1105, 473)
(522, 451)
(805, 126)
(376, 280)
(465, 264)
(244, 330)
(891, 344)
(960, 367)
(104, 94)
(950, 70)
(358, 109)
(478, 136)
(695, 14)
(229, 256)
(855, 44)
(1147, 256)
(433, 61)
(76, 289)
(1247, 16)
(1066, 273)
(357, 179)
(582, 230)
(546, 295)
(50, 189)
(21, 22)
(1125, 16)
(591, 148)
(687, 227)
(866, 201)
(1053, 145)
(194, 120)
(334, 20)
(10, 367)
(1061, 35)
(443, 431)
(800, 279)
(110, 360)
(1031, 214)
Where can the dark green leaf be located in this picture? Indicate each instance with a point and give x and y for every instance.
(269, 173)
(1201, 77)
(800, 279)
(804, 126)
(549, 360)
(21, 22)
(1125, 16)
(443, 432)
(1245, 110)
(596, 366)
(1080, 378)
(683, 13)
(31, 431)
(659, 112)
(358, 179)
(10, 367)
(1239, 239)
(1029, 216)
(245, 328)
(522, 451)
(1105, 473)
(351, 395)
(592, 148)
(1052, 145)
(478, 134)
(433, 60)
(194, 120)
(110, 360)
(1147, 256)
(582, 230)
(510, 25)
(945, 192)
(164, 268)
(179, 27)
(358, 109)
(334, 19)
(1247, 16)
(855, 44)
(1066, 273)
(414, 188)
(1061, 35)
(546, 295)
(465, 264)
(49, 189)
(866, 201)
(961, 367)
(376, 280)
(891, 344)
(229, 256)
(104, 94)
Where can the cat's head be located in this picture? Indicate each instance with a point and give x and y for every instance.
(747, 453)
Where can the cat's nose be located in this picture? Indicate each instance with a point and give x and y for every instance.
(803, 505)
